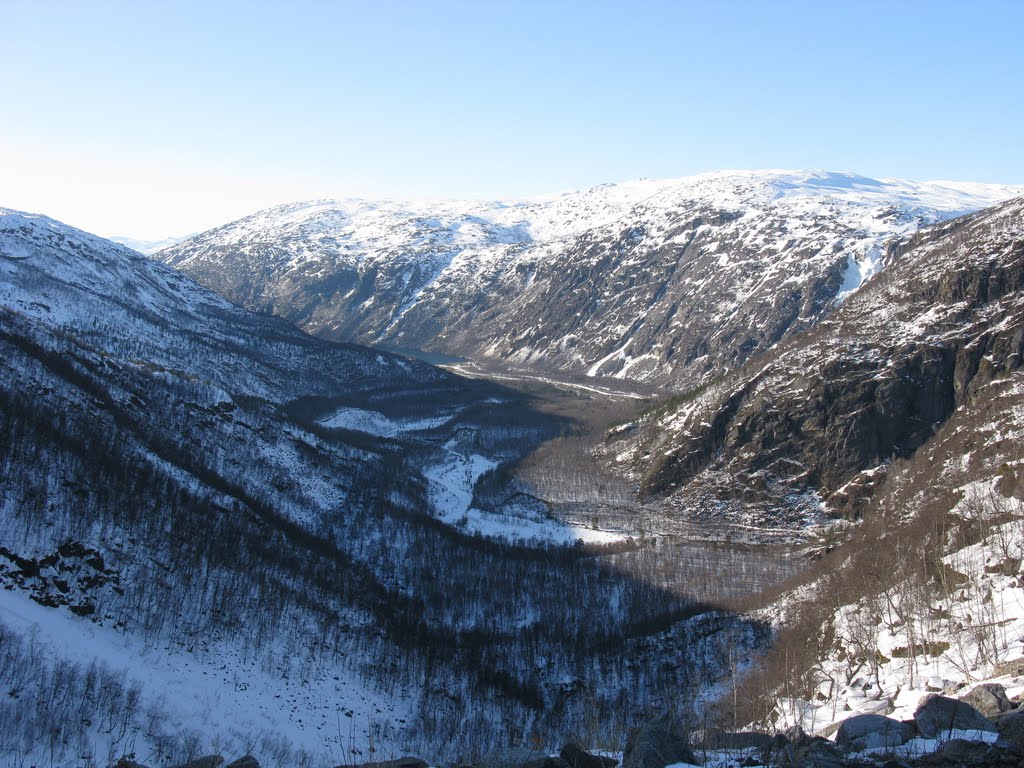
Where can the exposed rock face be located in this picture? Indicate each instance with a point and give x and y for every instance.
(657, 743)
(74, 575)
(938, 715)
(661, 281)
(872, 731)
(940, 330)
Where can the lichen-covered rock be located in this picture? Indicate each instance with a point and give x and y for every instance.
(989, 699)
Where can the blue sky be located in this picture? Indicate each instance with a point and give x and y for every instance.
(150, 118)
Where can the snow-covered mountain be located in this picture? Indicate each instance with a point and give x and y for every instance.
(660, 281)
(218, 533)
(923, 361)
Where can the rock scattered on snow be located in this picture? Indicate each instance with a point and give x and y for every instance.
(862, 732)
(989, 699)
(939, 715)
(577, 756)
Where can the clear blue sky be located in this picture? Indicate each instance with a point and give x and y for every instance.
(151, 118)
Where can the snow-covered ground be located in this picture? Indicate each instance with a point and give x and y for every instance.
(451, 486)
(451, 483)
(252, 705)
(932, 645)
(374, 423)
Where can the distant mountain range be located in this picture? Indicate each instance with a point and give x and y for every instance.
(666, 282)
(149, 247)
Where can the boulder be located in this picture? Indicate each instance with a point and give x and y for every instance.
(968, 754)
(938, 715)
(718, 739)
(861, 732)
(657, 743)
(989, 699)
(402, 762)
(244, 762)
(882, 706)
(576, 755)
(1011, 726)
(807, 752)
(512, 757)
(210, 761)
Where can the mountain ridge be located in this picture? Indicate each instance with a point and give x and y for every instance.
(935, 335)
(641, 280)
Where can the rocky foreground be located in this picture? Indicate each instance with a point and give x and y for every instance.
(982, 729)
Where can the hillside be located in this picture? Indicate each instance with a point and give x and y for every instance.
(221, 534)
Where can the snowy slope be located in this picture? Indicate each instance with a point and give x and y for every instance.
(648, 280)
